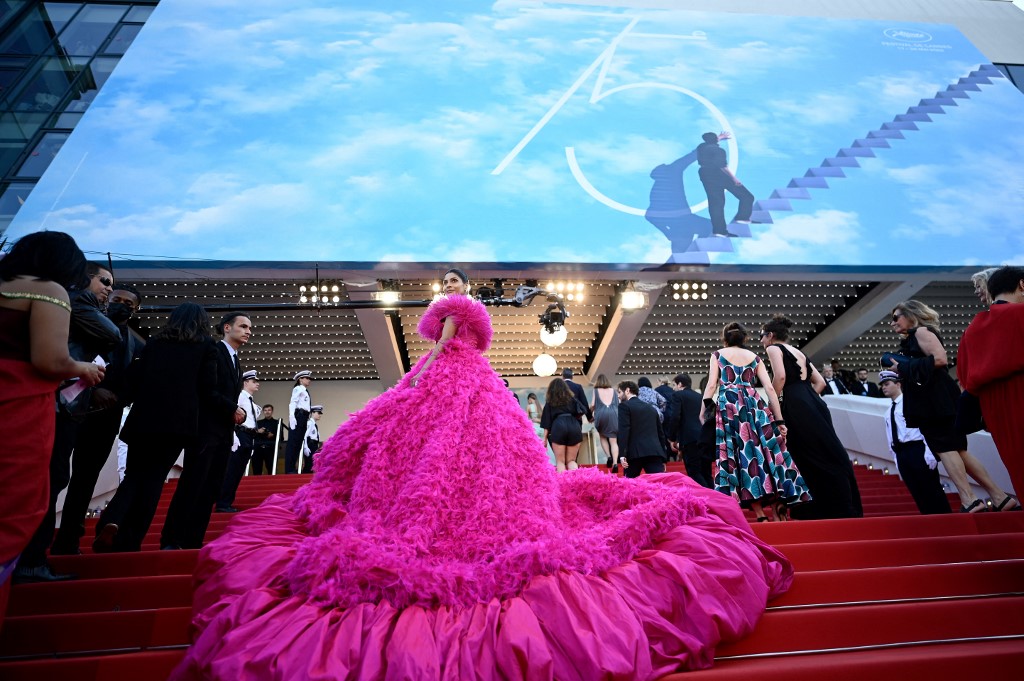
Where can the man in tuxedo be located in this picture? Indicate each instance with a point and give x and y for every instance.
(682, 424)
(640, 433)
(246, 434)
(863, 387)
(833, 384)
(577, 390)
(206, 461)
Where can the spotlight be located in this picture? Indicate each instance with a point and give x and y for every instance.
(632, 300)
(553, 338)
(544, 365)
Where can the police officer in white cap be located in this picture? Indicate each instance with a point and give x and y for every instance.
(244, 443)
(915, 461)
(311, 443)
(298, 418)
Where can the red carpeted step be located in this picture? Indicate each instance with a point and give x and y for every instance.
(99, 595)
(99, 566)
(852, 529)
(903, 582)
(32, 635)
(906, 551)
(144, 666)
(967, 660)
(865, 625)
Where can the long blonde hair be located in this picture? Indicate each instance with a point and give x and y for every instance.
(919, 313)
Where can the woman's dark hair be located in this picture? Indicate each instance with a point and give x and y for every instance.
(733, 335)
(644, 382)
(602, 382)
(780, 326)
(188, 323)
(1004, 280)
(459, 273)
(531, 396)
(559, 394)
(51, 256)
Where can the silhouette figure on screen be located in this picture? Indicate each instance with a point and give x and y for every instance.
(718, 179)
(669, 210)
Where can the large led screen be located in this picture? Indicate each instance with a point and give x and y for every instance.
(528, 132)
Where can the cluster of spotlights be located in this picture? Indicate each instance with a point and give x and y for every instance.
(322, 295)
(685, 290)
(571, 290)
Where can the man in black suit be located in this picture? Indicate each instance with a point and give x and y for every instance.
(577, 390)
(99, 429)
(640, 433)
(266, 437)
(683, 426)
(833, 384)
(863, 387)
(205, 463)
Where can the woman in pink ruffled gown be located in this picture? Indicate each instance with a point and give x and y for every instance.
(447, 547)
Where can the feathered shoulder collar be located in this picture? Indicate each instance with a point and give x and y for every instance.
(472, 322)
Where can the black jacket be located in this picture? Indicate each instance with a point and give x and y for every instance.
(871, 391)
(577, 390)
(171, 384)
(843, 390)
(640, 433)
(219, 419)
(684, 409)
(91, 333)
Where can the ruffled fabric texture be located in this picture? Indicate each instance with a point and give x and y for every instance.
(436, 542)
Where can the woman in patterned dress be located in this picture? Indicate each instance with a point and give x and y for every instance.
(753, 465)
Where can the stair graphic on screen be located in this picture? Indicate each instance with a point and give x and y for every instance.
(833, 168)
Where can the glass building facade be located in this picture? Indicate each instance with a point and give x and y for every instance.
(54, 58)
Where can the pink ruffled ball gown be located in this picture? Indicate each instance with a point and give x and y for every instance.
(443, 545)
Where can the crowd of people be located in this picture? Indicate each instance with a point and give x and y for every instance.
(428, 496)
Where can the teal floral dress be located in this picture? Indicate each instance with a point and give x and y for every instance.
(753, 464)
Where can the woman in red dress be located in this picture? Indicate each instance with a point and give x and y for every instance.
(35, 313)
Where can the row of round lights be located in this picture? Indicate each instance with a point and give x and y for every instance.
(684, 290)
(318, 294)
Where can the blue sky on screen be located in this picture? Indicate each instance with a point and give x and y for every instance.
(526, 132)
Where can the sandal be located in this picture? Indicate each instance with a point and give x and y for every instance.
(977, 507)
(762, 519)
(781, 511)
(1002, 506)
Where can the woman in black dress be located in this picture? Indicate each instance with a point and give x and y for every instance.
(930, 399)
(561, 423)
(812, 439)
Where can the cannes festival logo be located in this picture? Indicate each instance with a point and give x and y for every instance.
(907, 36)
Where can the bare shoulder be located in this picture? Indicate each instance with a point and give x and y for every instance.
(36, 286)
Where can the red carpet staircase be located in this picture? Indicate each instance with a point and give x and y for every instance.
(894, 595)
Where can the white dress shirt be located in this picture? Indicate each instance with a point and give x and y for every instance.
(904, 432)
(250, 408)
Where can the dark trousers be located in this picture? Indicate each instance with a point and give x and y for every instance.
(295, 437)
(235, 470)
(263, 458)
(697, 467)
(136, 500)
(95, 438)
(198, 488)
(64, 435)
(647, 464)
(716, 203)
(923, 482)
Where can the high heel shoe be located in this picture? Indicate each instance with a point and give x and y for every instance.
(1002, 505)
(978, 506)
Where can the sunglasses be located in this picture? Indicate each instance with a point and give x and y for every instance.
(897, 316)
(104, 280)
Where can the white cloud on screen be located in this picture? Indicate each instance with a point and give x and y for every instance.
(823, 236)
(237, 212)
